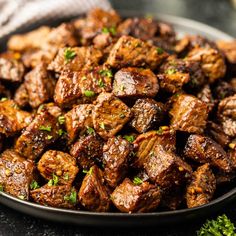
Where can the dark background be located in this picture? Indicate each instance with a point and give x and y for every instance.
(217, 13)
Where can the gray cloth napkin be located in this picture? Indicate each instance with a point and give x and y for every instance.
(21, 13)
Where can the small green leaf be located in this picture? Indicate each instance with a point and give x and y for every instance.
(61, 120)
(160, 51)
(102, 126)
(170, 71)
(90, 171)
(45, 128)
(66, 176)
(90, 130)
(69, 54)
(107, 73)
(34, 185)
(1, 188)
(61, 132)
(54, 181)
(137, 181)
(72, 198)
(21, 197)
(101, 83)
(129, 138)
(49, 137)
(89, 93)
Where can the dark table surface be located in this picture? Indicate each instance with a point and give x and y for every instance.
(217, 13)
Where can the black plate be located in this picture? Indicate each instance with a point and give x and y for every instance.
(182, 26)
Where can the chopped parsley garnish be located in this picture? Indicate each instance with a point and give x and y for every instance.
(34, 185)
(83, 78)
(160, 130)
(90, 171)
(45, 128)
(89, 93)
(41, 107)
(90, 130)
(102, 126)
(129, 138)
(111, 30)
(222, 226)
(61, 132)
(170, 71)
(69, 54)
(61, 120)
(66, 176)
(137, 181)
(101, 83)
(159, 50)
(1, 188)
(3, 99)
(49, 137)
(72, 198)
(21, 197)
(107, 73)
(54, 181)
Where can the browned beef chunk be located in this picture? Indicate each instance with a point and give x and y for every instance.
(165, 168)
(75, 58)
(42, 132)
(211, 60)
(12, 119)
(11, 69)
(232, 155)
(63, 196)
(129, 197)
(135, 83)
(229, 50)
(176, 73)
(39, 85)
(215, 131)
(51, 108)
(16, 174)
(145, 143)
(205, 95)
(87, 150)
(173, 197)
(109, 115)
(129, 51)
(203, 149)
(147, 114)
(30, 40)
(93, 194)
(142, 28)
(115, 158)
(21, 96)
(227, 115)
(223, 89)
(202, 187)
(189, 114)
(78, 120)
(96, 21)
(104, 42)
(60, 164)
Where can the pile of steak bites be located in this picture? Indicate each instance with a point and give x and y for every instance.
(108, 114)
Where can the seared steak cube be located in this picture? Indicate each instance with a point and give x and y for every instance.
(203, 149)
(12, 119)
(145, 143)
(30, 40)
(223, 89)
(227, 115)
(16, 174)
(75, 59)
(229, 50)
(93, 194)
(63, 196)
(135, 83)
(11, 69)
(232, 155)
(165, 168)
(205, 95)
(109, 115)
(115, 158)
(147, 114)
(87, 150)
(78, 120)
(21, 96)
(189, 114)
(42, 132)
(129, 51)
(212, 62)
(60, 164)
(202, 187)
(39, 85)
(129, 197)
(51, 108)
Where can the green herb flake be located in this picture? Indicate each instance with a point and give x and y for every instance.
(160, 130)
(4, 99)
(102, 126)
(90, 130)
(89, 93)
(41, 107)
(49, 137)
(222, 226)
(137, 181)
(170, 71)
(101, 83)
(122, 116)
(54, 181)
(61, 132)
(90, 171)
(34, 185)
(22, 197)
(45, 128)
(107, 73)
(66, 176)
(83, 78)
(159, 51)
(69, 54)
(72, 198)
(129, 138)
(61, 120)
(111, 30)
(1, 188)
